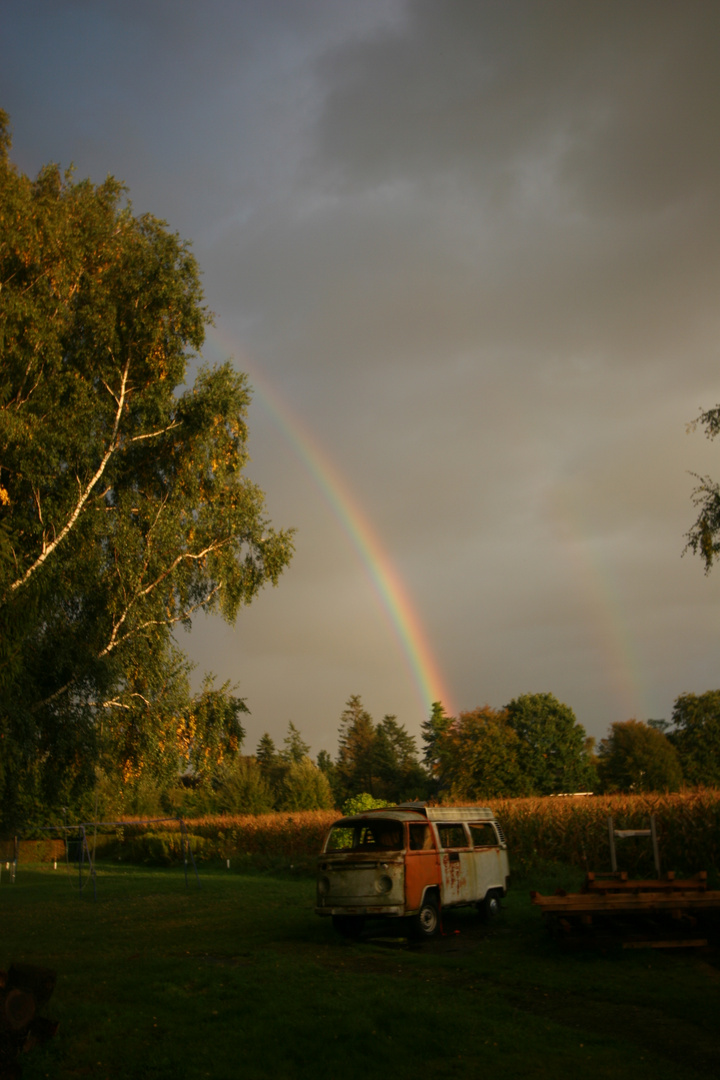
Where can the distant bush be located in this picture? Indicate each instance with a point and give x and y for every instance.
(359, 803)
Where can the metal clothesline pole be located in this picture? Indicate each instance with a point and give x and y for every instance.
(85, 847)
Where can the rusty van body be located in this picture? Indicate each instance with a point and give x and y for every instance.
(411, 861)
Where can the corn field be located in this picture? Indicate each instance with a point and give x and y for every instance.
(574, 830)
(571, 830)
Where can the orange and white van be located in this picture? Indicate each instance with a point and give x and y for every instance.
(411, 861)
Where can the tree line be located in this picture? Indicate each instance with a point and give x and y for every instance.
(534, 746)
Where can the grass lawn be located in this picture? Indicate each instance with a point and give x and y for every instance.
(239, 978)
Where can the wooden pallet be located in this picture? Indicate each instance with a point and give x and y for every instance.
(618, 882)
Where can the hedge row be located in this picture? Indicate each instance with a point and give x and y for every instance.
(261, 840)
(32, 851)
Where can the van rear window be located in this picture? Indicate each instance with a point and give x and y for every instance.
(484, 835)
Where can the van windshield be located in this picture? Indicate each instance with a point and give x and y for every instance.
(378, 835)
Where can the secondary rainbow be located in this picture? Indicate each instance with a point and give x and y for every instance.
(388, 585)
(621, 665)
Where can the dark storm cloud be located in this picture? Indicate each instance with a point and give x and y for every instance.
(496, 184)
(474, 248)
(618, 99)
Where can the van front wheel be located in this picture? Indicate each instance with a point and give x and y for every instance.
(427, 921)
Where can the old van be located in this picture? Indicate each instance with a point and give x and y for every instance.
(411, 861)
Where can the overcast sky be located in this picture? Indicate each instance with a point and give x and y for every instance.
(467, 252)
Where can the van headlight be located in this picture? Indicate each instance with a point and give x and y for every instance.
(383, 884)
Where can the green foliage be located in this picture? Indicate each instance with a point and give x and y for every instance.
(533, 746)
(123, 505)
(358, 804)
(266, 752)
(243, 788)
(356, 755)
(295, 747)
(258, 785)
(553, 750)
(272, 765)
(479, 757)
(142, 797)
(703, 537)
(327, 766)
(379, 759)
(325, 761)
(305, 787)
(697, 737)
(211, 729)
(400, 775)
(433, 731)
(638, 757)
(294, 782)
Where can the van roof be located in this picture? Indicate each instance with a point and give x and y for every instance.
(413, 811)
(391, 813)
(459, 813)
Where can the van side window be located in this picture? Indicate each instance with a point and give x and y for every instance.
(484, 835)
(452, 836)
(420, 838)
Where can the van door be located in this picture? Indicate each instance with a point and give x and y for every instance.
(421, 863)
(458, 865)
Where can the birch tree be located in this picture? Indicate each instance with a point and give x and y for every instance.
(124, 508)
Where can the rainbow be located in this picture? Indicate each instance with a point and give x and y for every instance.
(393, 596)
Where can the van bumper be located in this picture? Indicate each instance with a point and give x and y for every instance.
(396, 910)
